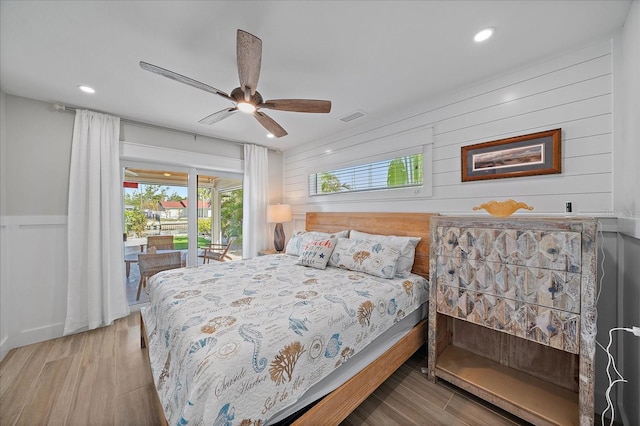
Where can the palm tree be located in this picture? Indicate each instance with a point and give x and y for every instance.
(231, 214)
(331, 183)
(405, 171)
(153, 195)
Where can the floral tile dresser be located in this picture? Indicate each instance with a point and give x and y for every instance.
(512, 314)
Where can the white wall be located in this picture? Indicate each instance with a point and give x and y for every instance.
(627, 206)
(35, 153)
(627, 112)
(4, 284)
(38, 155)
(575, 92)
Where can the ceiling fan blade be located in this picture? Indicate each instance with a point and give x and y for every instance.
(270, 124)
(297, 105)
(218, 116)
(249, 52)
(182, 79)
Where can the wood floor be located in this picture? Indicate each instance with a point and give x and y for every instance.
(102, 377)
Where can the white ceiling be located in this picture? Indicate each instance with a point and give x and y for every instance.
(375, 56)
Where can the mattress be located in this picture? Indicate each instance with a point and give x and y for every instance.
(255, 340)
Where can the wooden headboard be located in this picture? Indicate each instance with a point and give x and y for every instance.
(401, 224)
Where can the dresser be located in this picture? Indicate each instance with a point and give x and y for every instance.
(512, 314)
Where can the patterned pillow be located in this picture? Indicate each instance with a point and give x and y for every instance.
(317, 253)
(406, 246)
(299, 240)
(367, 256)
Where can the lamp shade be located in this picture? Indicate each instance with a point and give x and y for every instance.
(279, 213)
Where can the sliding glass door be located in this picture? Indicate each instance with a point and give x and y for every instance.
(159, 216)
(220, 212)
(156, 220)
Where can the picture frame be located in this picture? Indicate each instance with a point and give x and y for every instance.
(527, 155)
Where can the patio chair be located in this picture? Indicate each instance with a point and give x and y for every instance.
(160, 242)
(151, 264)
(215, 251)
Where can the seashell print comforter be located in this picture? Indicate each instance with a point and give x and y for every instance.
(235, 342)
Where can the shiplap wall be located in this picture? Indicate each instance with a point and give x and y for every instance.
(572, 92)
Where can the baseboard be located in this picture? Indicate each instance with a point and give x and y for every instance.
(29, 337)
(4, 348)
(137, 307)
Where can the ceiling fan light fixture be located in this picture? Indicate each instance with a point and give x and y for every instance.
(271, 135)
(246, 107)
(483, 35)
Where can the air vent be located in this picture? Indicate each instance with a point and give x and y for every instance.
(352, 116)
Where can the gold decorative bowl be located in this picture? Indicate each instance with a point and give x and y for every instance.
(502, 208)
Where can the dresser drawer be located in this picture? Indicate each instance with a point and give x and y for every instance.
(547, 326)
(544, 287)
(556, 250)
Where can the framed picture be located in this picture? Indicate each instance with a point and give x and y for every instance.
(527, 155)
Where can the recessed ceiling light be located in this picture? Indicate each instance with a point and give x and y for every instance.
(271, 135)
(86, 89)
(167, 174)
(483, 35)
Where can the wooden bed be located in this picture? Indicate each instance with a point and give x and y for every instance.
(336, 406)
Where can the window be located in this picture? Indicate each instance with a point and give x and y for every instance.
(400, 172)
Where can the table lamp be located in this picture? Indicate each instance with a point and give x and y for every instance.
(278, 214)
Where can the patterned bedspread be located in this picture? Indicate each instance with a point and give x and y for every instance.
(235, 342)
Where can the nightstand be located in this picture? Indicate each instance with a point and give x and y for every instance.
(266, 252)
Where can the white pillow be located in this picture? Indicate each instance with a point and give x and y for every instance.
(299, 240)
(317, 253)
(371, 257)
(405, 245)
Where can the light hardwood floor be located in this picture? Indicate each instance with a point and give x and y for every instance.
(102, 377)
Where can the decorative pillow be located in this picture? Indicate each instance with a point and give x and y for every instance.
(299, 240)
(371, 257)
(406, 246)
(317, 253)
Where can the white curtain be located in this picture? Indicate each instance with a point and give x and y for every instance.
(255, 187)
(95, 291)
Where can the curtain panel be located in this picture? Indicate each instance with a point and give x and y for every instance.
(255, 235)
(96, 294)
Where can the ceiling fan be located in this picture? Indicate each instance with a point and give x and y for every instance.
(246, 97)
